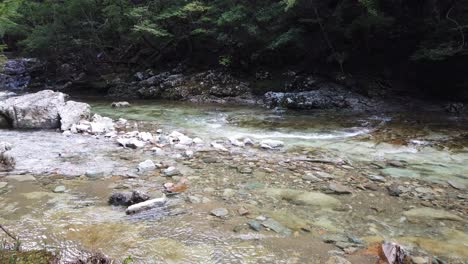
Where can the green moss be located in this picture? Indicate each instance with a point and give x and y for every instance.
(28, 257)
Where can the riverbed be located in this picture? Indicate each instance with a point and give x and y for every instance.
(423, 155)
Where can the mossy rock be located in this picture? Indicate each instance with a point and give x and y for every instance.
(27, 257)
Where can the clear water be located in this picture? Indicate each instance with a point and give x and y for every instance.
(433, 147)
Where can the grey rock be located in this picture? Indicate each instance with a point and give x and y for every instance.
(127, 198)
(171, 171)
(147, 165)
(377, 178)
(457, 185)
(337, 260)
(255, 225)
(339, 189)
(72, 113)
(220, 212)
(60, 189)
(277, 227)
(311, 178)
(94, 174)
(428, 214)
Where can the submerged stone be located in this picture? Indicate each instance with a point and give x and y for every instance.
(304, 198)
(427, 214)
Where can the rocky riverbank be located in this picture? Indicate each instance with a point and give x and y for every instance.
(241, 189)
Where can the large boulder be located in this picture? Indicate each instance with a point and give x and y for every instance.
(45, 109)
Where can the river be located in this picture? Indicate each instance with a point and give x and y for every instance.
(423, 153)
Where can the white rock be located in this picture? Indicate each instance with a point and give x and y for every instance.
(145, 136)
(198, 141)
(82, 128)
(218, 146)
(188, 154)
(248, 142)
(131, 143)
(171, 171)
(72, 113)
(146, 205)
(270, 144)
(236, 142)
(147, 165)
(67, 133)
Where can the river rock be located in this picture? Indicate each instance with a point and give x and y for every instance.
(72, 113)
(147, 165)
(337, 260)
(339, 189)
(220, 212)
(298, 197)
(60, 189)
(271, 144)
(255, 225)
(457, 185)
(146, 205)
(37, 110)
(122, 104)
(428, 214)
(127, 198)
(45, 109)
(171, 171)
(277, 227)
(132, 143)
(7, 161)
(310, 177)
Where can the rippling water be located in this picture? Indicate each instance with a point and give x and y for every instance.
(433, 146)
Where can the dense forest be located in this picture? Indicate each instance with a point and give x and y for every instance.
(421, 42)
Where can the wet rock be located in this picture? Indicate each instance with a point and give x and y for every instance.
(394, 190)
(220, 212)
(423, 190)
(127, 198)
(3, 185)
(334, 238)
(337, 260)
(428, 214)
(132, 143)
(60, 189)
(454, 108)
(147, 165)
(94, 174)
(304, 198)
(271, 144)
(339, 189)
(188, 154)
(326, 96)
(242, 211)
(377, 178)
(457, 185)
(255, 225)
(122, 104)
(311, 178)
(146, 205)
(72, 113)
(277, 227)
(194, 199)
(245, 170)
(171, 171)
(218, 146)
(396, 164)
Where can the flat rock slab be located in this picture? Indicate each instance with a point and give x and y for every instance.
(428, 214)
(299, 197)
(20, 178)
(457, 185)
(277, 227)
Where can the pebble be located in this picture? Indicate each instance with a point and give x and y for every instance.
(94, 174)
(147, 165)
(242, 211)
(220, 212)
(59, 189)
